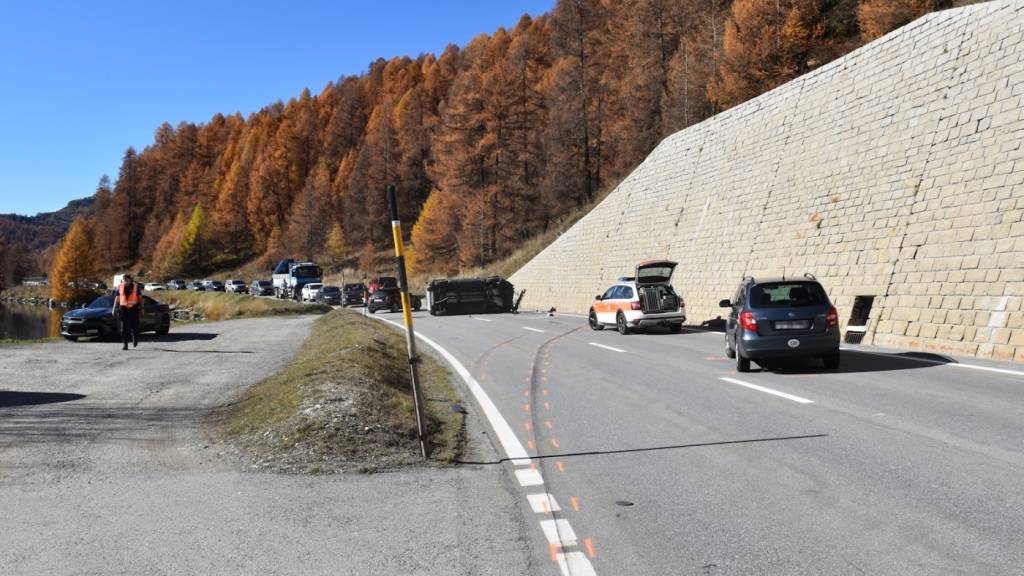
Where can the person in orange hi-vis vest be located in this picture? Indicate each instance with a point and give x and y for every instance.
(128, 306)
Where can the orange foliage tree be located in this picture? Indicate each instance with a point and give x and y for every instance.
(74, 270)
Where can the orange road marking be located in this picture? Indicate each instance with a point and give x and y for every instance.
(575, 502)
(527, 393)
(546, 507)
(554, 442)
(547, 406)
(590, 548)
(529, 444)
(533, 465)
(528, 426)
(526, 407)
(547, 424)
(560, 465)
(544, 391)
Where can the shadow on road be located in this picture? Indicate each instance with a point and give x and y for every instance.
(655, 448)
(180, 337)
(10, 398)
(854, 362)
(200, 351)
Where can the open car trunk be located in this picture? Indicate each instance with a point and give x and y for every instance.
(653, 283)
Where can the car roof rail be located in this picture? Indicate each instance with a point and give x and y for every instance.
(810, 276)
(748, 279)
(626, 278)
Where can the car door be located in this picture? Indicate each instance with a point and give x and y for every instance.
(606, 308)
(149, 319)
(734, 313)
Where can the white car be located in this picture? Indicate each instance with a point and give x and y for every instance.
(153, 286)
(309, 291)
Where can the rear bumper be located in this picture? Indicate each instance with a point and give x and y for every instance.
(642, 320)
(756, 346)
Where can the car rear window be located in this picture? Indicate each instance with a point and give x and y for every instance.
(787, 294)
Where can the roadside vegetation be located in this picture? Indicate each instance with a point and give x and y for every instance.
(344, 404)
(17, 342)
(222, 306)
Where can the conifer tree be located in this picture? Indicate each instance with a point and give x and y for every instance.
(74, 269)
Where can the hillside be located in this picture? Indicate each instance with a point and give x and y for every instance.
(44, 229)
(489, 144)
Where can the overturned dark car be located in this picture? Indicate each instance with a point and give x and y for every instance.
(96, 319)
(390, 299)
(492, 295)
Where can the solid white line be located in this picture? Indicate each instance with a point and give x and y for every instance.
(529, 477)
(543, 503)
(482, 319)
(575, 564)
(558, 532)
(605, 347)
(937, 362)
(767, 390)
(513, 448)
(533, 329)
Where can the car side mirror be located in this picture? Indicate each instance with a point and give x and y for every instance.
(725, 304)
(599, 297)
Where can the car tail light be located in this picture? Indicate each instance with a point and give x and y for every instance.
(747, 321)
(634, 306)
(833, 318)
(682, 304)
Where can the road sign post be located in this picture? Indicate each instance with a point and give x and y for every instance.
(410, 336)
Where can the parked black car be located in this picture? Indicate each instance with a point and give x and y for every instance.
(391, 299)
(214, 285)
(261, 288)
(781, 318)
(330, 295)
(177, 285)
(96, 319)
(354, 294)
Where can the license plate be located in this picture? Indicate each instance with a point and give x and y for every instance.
(794, 325)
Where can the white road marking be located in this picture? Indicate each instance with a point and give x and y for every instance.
(543, 503)
(613, 349)
(575, 564)
(558, 532)
(767, 390)
(938, 362)
(533, 329)
(482, 319)
(529, 477)
(509, 442)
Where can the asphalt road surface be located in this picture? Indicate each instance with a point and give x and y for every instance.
(648, 454)
(105, 469)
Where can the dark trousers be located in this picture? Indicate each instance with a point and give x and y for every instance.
(129, 325)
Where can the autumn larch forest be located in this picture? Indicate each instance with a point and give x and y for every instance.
(488, 144)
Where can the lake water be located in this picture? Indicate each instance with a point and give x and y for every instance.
(28, 322)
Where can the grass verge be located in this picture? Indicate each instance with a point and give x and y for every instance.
(222, 306)
(344, 403)
(16, 342)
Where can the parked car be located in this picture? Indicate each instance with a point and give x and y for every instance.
(214, 285)
(177, 285)
(236, 287)
(153, 286)
(96, 319)
(354, 294)
(197, 286)
(781, 318)
(644, 300)
(391, 299)
(261, 288)
(309, 291)
(330, 295)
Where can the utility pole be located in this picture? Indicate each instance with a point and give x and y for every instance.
(410, 337)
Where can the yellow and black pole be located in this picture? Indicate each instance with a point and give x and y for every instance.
(410, 336)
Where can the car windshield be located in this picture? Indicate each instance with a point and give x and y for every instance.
(102, 302)
(387, 282)
(787, 294)
(330, 290)
(263, 283)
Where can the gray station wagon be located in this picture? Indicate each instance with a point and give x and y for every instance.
(781, 318)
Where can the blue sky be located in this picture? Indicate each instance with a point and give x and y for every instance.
(82, 81)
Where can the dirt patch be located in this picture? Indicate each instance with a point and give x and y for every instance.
(344, 404)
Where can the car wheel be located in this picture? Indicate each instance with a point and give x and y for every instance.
(742, 362)
(675, 328)
(620, 324)
(729, 352)
(592, 320)
(165, 326)
(832, 361)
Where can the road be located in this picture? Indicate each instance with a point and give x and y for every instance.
(105, 468)
(655, 463)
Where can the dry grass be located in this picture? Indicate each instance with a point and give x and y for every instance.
(26, 292)
(221, 306)
(344, 403)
